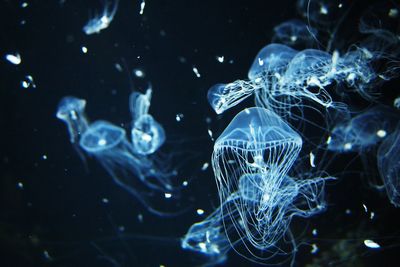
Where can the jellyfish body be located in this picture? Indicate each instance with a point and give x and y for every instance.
(294, 33)
(101, 21)
(362, 131)
(251, 160)
(389, 165)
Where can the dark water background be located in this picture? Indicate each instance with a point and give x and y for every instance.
(58, 218)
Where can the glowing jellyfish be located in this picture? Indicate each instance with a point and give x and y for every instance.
(251, 160)
(208, 238)
(102, 21)
(147, 134)
(294, 33)
(136, 174)
(71, 110)
(362, 131)
(389, 165)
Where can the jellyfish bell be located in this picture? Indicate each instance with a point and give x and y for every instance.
(147, 135)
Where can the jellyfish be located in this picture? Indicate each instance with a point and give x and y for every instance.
(102, 21)
(251, 160)
(388, 157)
(294, 33)
(147, 134)
(71, 110)
(133, 172)
(363, 130)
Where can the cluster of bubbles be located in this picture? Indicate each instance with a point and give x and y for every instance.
(265, 161)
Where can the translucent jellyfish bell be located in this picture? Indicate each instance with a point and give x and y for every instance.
(270, 59)
(294, 33)
(139, 104)
(147, 135)
(389, 165)
(71, 110)
(136, 174)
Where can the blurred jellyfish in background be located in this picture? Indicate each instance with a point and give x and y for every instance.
(102, 21)
(147, 134)
(294, 33)
(389, 165)
(251, 160)
(363, 131)
(135, 167)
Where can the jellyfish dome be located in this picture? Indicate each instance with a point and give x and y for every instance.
(147, 135)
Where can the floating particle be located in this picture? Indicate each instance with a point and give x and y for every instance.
(371, 244)
(105, 200)
(348, 211)
(142, 5)
(14, 59)
(314, 249)
(220, 59)
(138, 73)
(372, 215)
(185, 183)
(118, 67)
(365, 208)
(312, 159)
(167, 195)
(314, 232)
(44, 157)
(84, 49)
(179, 117)
(140, 217)
(28, 82)
(381, 133)
(47, 256)
(20, 185)
(323, 10)
(205, 166)
(121, 228)
(210, 134)
(196, 71)
(393, 12)
(200, 211)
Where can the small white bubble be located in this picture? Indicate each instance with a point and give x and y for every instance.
(220, 59)
(14, 59)
(371, 244)
(167, 195)
(205, 166)
(200, 211)
(24, 4)
(105, 200)
(185, 183)
(44, 157)
(139, 73)
(84, 49)
(20, 185)
(314, 232)
(381, 133)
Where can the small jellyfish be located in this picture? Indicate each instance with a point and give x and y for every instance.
(139, 104)
(147, 135)
(389, 165)
(102, 21)
(71, 110)
(294, 33)
(362, 131)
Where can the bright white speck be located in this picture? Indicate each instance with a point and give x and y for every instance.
(24, 4)
(247, 111)
(185, 183)
(314, 232)
(102, 142)
(44, 157)
(179, 117)
(20, 185)
(196, 71)
(220, 59)
(340, 5)
(393, 12)
(47, 255)
(323, 10)
(84, 49)
(205, 166)
(371, 244)
(293, 38)
(260, 62)
(28, 82)
(372, 215)
(381, 133)
(210, 133)
(348, 211)
(138, 73)
(328, 141)
(314, 249)
(347, 146)
(312, 159)
(365, 208)
(14, 59)
(167, 195)
(105, 200)
(142, 5)
(200, 211)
